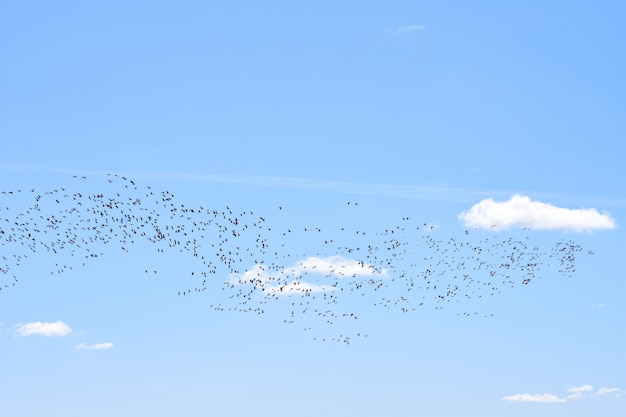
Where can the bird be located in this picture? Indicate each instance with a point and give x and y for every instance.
(244, 263)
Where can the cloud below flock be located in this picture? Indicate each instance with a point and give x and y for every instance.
(521, 212)
(573, 392)
(57, 328)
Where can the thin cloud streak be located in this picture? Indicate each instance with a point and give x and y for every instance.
(95, 346)
(433, 193)
(618, 392)
(418, 192)
(575, 392)
(410, 28)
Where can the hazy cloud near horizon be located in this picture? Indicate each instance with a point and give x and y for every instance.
(574, 392)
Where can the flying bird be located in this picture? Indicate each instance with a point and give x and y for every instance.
(245, 264)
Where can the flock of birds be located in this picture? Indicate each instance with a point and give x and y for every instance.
(248, 265)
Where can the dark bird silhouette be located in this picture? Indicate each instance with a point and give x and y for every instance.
(245, 264)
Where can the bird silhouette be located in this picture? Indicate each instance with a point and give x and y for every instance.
(248, 264)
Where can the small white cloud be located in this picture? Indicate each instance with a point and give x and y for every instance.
(521, 212)
(96, 346)
(578, 392)
(618, 392)
(601, 305)
(574, 392)
(534, 398)
(333, 265)
(410, 28)
(57, 328)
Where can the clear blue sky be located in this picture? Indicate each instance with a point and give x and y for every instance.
(478, 126)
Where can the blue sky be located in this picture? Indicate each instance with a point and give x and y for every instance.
(384, 160)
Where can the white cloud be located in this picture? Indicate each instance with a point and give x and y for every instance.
(574, 392)
(410, 28)
(618, 392)
(332, 265)
(96, 346)
(289, 280)
(577, 392)
(57, 328)
(520, 211)
(534, 398)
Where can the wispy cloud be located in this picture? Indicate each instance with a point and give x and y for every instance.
(420, 192)
(520, 212)
(289, 280)
(574, 393)
(578, 392)
(618, 392)
(57, 328)
(423, 192)
(534, 398)
(410, 28)
(95, 346)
